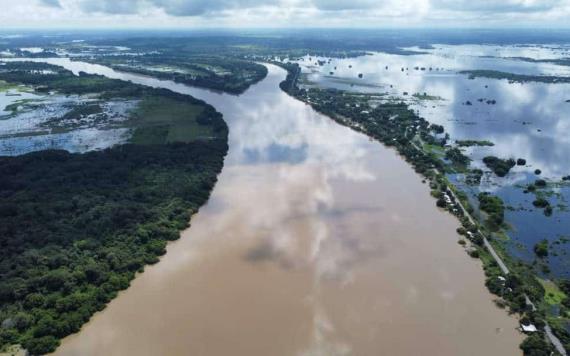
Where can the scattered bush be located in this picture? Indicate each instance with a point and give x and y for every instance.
(500, 167)
(541, 249)
(540, 203)
(540, 183)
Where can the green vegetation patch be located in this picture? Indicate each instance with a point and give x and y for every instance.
(536, 345)
(541, 249)
(552, 294)
(22, 105)
(517, 78)
(161, 119)
(425, 96)
(459, 160)
(500, 167)
(75, 228)
(4, 86)
(494, 207)
(470, 143)
(82, 111)
(224, 73)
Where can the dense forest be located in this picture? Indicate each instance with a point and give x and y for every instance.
(76, 228)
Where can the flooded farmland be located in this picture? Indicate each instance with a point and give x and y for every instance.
(528, 120)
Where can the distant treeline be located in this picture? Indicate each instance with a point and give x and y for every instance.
(199, 71)
(516, 78)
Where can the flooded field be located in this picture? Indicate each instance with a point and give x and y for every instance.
(33, 121)
(528, 120)
(308, 246)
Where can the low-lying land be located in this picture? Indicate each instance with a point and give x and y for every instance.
(515, 78)
(470, 143)
(75, 228)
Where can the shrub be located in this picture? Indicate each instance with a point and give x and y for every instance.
(540, 183)
(500, 167)
(41, 345)
(541, 249)
(494, 207)
(535, 345)
(540, 203)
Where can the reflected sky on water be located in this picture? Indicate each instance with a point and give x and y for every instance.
(524, 120)
(316, 241)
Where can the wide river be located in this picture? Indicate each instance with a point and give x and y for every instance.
(316, 241)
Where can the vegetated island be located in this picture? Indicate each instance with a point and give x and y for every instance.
(230, 75)
(222, 63)
(515, 78)
(75, 228)
(500, 167)
(425, 147)
(558, 61)
(470, 143)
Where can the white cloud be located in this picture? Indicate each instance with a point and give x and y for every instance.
(111, 6)
(493, 6)
(51, 3)
(284, 13)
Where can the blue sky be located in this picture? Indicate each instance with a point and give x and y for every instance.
(284, 13)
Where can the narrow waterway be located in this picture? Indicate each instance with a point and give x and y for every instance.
(316, 241)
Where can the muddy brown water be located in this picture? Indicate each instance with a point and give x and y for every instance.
(316, 241)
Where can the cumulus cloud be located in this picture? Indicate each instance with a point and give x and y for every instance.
(340, 5)
(205, 7)
(200, 7)
(50, 3)
(171, 7)
(111, 6)
(283, 13)
(522, 6)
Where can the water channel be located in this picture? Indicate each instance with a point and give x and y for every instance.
(316, 241)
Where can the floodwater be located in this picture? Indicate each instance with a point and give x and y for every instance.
(526, 120)
(29, 129)
(316, 241)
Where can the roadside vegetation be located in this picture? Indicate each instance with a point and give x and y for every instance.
(494, 208)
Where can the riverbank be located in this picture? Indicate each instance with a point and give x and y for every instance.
(308, 238)
(395, 125)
